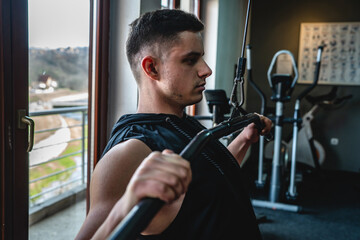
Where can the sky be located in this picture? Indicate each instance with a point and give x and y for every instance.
(58, 23)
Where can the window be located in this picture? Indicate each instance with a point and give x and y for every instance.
(58, 103)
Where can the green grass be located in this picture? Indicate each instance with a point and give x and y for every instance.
(34, 98)
(55, 166)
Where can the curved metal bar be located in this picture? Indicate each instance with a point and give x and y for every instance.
(273, 63)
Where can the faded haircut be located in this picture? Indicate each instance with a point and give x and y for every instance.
(158, 27)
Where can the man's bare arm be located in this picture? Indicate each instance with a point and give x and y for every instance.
(167, 182)
(163, 175)
(239, 146)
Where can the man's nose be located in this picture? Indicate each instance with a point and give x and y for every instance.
(205, 71)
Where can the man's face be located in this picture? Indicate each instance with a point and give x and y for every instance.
(183, 70)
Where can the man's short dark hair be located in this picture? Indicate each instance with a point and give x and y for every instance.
(160, 26)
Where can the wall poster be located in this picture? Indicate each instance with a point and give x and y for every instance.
(340, 63)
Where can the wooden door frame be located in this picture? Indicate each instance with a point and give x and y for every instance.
(101, 78)
(97, 139)
(14, 96)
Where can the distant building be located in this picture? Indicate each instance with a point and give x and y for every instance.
(46, 82)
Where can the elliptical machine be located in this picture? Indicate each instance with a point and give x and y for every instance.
(282, 86)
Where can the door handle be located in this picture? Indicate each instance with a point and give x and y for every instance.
(24, 122)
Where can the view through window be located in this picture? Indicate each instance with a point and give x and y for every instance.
(58, 97)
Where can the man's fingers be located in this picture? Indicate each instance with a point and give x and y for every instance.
(168, 151)
(267, 125)
(169, 155)
(151, 187)
(163, 175)
(174, 181)
(173, 163)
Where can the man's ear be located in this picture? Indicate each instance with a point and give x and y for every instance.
(149, 66)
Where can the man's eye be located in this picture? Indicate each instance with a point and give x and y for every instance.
(191, 61)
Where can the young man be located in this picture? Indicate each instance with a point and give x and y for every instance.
(165, 52)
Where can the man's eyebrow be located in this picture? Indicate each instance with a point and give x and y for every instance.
(194, 54)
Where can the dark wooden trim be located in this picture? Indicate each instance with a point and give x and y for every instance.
(176, 4)
(2, 125)
(90, 77)
(20, 69)
(100, 85)
(14, 83)
(199, 9)
(101, 78)
(7, 119)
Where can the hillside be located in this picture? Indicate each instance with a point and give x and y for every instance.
(68, 66)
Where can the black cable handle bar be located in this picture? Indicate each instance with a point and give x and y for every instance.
(317, 73)
(141, 214)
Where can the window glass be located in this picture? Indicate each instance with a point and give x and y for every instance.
(58, 97)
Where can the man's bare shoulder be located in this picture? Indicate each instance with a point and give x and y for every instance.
(132, 150)
(114, 170)
(109, 181)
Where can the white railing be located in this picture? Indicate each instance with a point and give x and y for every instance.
(55, 161)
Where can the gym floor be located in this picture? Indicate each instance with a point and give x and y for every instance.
(331, 210)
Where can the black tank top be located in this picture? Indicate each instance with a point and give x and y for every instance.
(216, 205)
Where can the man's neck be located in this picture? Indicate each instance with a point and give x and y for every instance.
(151, 101)
(163, 108)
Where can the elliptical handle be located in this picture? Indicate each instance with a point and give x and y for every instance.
(248, 56)
(273, 63)
(316, 76)
(260, 126)
(252, 83)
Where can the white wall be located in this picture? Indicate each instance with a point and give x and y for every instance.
(122, 87)
(224, 24)
(209, 16)
(123, 93)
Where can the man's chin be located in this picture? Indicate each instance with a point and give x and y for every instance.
(192, 103)
(195, 101)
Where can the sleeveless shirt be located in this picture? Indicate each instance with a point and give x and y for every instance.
(216, 205)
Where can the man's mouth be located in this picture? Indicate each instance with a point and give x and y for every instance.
(201, 85)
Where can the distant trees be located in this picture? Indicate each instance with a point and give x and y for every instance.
(68, 66)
